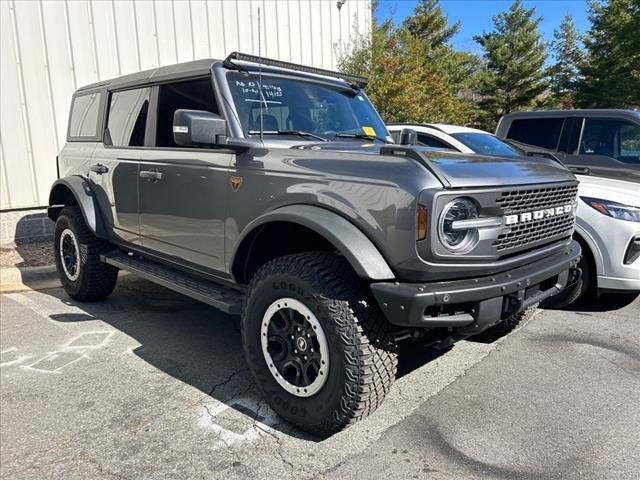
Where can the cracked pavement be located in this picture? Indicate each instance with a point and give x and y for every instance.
(151, 384)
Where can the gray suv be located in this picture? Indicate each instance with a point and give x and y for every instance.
(598, 142)
(273, 191)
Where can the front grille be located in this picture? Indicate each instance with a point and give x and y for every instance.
(519, 201)
(551, 228)
(535, 231)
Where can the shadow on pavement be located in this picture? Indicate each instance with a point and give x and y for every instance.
(604, 302)
(183, 338)
(195, 343)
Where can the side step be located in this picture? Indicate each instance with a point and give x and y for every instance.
(222, 297)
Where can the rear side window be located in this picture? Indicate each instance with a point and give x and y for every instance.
(85, 112)
(429, 141)
(128, 117)
(541, 132)
(190, 95)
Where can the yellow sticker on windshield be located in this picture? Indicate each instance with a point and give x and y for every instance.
(369, 131)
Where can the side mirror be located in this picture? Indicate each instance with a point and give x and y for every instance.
(195, 128)
(408, 136)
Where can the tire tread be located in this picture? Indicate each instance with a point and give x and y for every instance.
(98, 279)
(369, 350)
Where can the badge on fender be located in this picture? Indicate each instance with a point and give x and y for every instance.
(235, 183)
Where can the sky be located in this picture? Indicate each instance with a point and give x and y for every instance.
(475, 16)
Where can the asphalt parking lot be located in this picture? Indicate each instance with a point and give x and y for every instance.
(150, 384)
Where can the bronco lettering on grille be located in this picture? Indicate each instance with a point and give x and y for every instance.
(539, 214)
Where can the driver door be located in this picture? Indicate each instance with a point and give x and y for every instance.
(183, 191)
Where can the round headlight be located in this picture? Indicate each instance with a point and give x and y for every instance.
(458, 240)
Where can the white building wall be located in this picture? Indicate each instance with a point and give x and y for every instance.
(48, 48)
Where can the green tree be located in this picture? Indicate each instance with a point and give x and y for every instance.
(515, 53)
(612, 69)
(429, 24)
(414, 76)
(565, 72)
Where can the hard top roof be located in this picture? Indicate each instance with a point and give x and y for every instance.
(235, 60)
(155, 75)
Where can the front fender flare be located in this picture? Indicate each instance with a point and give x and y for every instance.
(85, 198)
(360, 252)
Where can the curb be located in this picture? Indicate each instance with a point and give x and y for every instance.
(28, 278)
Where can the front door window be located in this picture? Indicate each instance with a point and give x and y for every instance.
(613, 138)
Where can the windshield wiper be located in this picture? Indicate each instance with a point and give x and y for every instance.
(360, 135)
(287, 132)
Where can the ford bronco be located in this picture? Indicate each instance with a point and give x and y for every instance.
(273, 191)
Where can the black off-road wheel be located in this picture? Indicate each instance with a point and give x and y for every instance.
(506, 326)
(316, 342)
(77, 253)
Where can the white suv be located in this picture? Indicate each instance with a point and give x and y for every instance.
(455, 137)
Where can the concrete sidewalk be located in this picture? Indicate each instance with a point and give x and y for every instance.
(27, 265)
(29, 278)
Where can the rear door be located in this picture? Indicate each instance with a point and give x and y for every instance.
(183, 190)
(114, 167)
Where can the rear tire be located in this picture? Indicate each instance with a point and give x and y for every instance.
(77, 253)
(316, 296)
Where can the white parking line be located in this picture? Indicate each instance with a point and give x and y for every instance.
(14, 361)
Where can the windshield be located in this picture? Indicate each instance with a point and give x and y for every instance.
(292, 108)
(486, 144)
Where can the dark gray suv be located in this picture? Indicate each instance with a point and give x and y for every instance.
(273, 191)
(598, 142)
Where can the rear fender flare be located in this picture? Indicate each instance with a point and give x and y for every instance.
(80, 188)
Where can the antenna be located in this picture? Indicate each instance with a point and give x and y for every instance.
(260, 75)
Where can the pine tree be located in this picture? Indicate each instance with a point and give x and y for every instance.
(414, 77)
(565, 72)
(612, 70)
(429, 24)
(515, 53)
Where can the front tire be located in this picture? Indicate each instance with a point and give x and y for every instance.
(316, 342)
(77, 253)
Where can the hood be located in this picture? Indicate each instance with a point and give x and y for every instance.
(461, 170)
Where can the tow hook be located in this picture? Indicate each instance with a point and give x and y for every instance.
(575, 274)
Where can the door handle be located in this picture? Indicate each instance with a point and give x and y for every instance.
(99, 168)
(151, 175)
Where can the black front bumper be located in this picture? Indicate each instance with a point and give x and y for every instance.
(477, 303)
